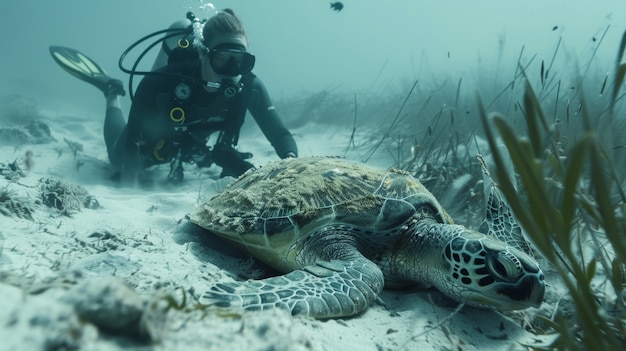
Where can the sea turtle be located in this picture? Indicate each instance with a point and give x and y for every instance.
(343, 230)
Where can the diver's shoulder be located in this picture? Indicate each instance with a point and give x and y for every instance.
(255, 81)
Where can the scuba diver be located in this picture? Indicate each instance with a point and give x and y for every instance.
(201, 84)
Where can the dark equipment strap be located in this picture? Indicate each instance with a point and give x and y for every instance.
(236, 113)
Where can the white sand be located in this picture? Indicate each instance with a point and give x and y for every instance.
(55, 269)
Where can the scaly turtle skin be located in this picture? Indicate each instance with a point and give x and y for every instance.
(341, 231)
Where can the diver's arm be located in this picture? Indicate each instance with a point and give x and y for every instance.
(144, 106)
(269, 121)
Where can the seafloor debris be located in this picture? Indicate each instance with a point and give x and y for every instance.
(67, 198)
(34, 132)
(21, 122)
(18, 110)
(65, 317)
(11, 206)
(74, 146)
(12, 171)
(115, 308)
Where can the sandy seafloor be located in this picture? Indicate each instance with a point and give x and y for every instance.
(98, 278)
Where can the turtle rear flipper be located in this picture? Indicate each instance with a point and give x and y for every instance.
(325, 290)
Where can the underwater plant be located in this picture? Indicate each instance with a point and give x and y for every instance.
(573, 209)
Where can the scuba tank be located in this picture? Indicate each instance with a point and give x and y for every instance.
(180, 34)
(171, 43)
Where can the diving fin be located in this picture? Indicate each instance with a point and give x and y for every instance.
(84, 68)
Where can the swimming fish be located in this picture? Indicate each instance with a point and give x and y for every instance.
(336, 6)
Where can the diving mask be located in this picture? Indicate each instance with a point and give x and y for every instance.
(230, 59)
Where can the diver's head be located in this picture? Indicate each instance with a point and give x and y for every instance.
(224, 48)
(224, 25)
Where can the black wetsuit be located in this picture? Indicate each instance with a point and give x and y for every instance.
(162, 124)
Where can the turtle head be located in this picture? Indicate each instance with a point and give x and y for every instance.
(484, 272)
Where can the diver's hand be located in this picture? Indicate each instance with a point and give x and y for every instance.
(232, 161)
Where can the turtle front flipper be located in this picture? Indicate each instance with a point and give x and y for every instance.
(327, 289)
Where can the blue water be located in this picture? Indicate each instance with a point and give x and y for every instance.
(304, 45)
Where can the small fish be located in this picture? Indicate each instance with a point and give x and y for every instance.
(542, 73)
(555, 28)
(594, 39)
(336, 6)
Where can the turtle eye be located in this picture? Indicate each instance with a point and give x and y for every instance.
(503, 267)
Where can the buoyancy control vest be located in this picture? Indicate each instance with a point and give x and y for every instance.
(233, 106)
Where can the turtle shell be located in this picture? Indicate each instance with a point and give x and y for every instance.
(268, 210)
